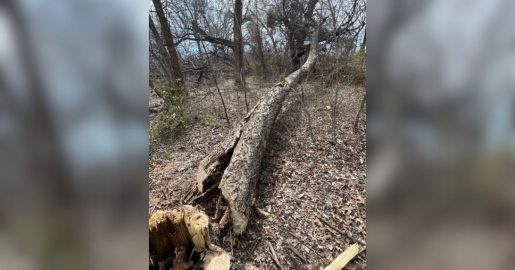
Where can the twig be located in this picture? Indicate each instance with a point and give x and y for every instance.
(218, 89)
(232, 243)
(296, 253)
(342, 232)
(274, 256)
(262, 212)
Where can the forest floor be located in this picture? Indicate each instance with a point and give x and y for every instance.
(313, 173)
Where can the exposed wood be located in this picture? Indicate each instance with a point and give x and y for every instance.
(217, 261)
(343, 259)
(175, 234)
(234, 164)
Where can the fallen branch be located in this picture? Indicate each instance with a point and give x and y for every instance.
(347, 234)
(274, 256)
(296, 253)
(343, 259)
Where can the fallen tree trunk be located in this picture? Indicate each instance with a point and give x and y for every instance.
(226, 179)
(232, 168)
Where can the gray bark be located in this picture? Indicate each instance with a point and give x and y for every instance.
(170, 45)
(238, 159)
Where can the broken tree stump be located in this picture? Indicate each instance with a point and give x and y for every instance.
(176, 235)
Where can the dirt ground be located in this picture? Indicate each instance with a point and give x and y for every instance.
(313, 174)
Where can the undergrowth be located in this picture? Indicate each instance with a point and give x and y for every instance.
(171, 119)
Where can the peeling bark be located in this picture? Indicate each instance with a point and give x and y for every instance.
(233, 166)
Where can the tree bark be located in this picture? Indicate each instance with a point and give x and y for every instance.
(233, 165)
(164, 57)
(364, 43)
(255, 31)
(258, 48)
(170, 45)
(239, 80)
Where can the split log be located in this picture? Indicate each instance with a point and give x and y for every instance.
(233, 166)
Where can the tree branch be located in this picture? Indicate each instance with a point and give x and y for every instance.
(210, 39)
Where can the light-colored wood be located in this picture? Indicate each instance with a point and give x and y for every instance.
(217, 261)
(173, 232)
(343, 259)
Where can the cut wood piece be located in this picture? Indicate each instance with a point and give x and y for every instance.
(234, 164)
(217, 261)
(341, 261)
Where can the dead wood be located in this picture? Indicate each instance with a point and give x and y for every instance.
(292, 249)
(348, 235)
(179, 234)
(274, 256)
(233, 165)
(343, 259)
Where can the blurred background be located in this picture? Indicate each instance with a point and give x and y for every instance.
(73, 134)
(440, 134)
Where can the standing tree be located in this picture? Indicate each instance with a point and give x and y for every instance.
(236, 44)
(257, 41)
(174, 95)
(170, 46)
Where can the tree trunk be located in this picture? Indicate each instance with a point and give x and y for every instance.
(258, 42)
(364, 43)
(163, 57)
(232, 168)
(258, 48)
(239, 80)
(170, 45)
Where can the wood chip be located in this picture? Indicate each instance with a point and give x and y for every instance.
(262, 212)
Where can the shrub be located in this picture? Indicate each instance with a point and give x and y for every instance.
(171, 119)
(354, 69)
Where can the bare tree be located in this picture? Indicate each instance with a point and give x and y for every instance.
(236, 44)
(176, 72)
(257, 41)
